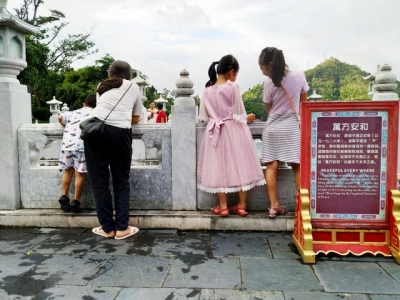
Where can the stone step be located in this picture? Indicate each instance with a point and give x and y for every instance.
(149, 219)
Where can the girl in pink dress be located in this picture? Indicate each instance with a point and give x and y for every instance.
(228, 160)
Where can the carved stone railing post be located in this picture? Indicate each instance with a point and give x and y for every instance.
(183, 136)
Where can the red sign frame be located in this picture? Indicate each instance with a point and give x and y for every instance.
(344, 236)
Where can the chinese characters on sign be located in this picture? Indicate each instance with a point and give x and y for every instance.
(348, 169)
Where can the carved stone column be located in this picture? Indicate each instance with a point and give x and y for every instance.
(15, 103)
(183, 136)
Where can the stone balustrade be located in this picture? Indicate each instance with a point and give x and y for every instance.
(151, 171)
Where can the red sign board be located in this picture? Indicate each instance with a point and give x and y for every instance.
(348, 169)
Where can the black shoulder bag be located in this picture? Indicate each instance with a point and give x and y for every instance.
(93, 128)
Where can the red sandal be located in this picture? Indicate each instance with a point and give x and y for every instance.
(223, 212)
(236, 209)
(280, 211)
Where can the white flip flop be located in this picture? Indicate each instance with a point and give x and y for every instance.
(132, 231)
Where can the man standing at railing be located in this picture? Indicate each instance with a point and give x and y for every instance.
(72, 157)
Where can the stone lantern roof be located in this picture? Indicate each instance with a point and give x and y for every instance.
(7, 19)
(160, 100)
(315, 96)
(139, 80)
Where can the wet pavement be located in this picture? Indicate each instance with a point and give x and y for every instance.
(73, 263)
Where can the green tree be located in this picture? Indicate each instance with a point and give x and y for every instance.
(333, 77)
(253, 103)
(48, 56)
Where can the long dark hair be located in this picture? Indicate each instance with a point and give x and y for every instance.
(275, 56)
(117, 72)
(225, 64)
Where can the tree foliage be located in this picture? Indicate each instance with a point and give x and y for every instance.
(336, 80)
(253, 103)
(49, 58)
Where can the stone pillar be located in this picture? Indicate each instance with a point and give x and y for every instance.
(183, 136)
(15, 103)
(385, 85)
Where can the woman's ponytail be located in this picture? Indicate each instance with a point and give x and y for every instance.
(212, 73)
(273, 58)
(278, 67)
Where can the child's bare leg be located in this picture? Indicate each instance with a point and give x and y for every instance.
(79, 183)
(296, 172)
(223, 202)
(66, 181)
(271, 175)
(242, 198)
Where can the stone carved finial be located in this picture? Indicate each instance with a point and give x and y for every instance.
(37, 142)
(385, 84)
(184, 89)
(153, 139)
(65, 107)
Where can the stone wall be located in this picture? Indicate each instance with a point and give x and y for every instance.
(151, 178)
(41, 183)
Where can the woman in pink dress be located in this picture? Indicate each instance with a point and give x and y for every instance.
(228, 160)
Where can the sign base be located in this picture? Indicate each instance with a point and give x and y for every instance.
(311, 241)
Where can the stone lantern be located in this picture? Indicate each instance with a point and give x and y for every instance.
(163, 101)
(314, 96)
(54, 109)
(371, 79)
(15, 102)
(142, 87)
(12, 44)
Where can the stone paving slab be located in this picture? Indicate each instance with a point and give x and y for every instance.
(244, 246)
(222, 294)
(180, 246)
(132, 271)
(63, 269)
(346, 277)
(278, 274)
(73, 292)
(324, 296)
(193, 272)
(15, 265)
(281, 245)
(48, 263)
(392, 269)
(67, 244)
(21, 243)
(384, 297)
(159, 294)
(136, 245)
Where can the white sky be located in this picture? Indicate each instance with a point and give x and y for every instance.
(162, 37)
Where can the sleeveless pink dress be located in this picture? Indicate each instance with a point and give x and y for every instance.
(228, 160)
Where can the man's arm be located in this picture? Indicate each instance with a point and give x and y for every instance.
(303, 97)
(59, 118)
(135, 119)
(267, 107)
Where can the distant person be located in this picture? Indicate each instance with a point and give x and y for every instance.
(228, 160)
(152, 113)
(72, 157)
(118, 98)
(283, 91)
(161, 115)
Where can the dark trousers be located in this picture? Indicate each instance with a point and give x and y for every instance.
(113, 153)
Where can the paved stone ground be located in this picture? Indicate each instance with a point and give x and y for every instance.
(46, 263)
